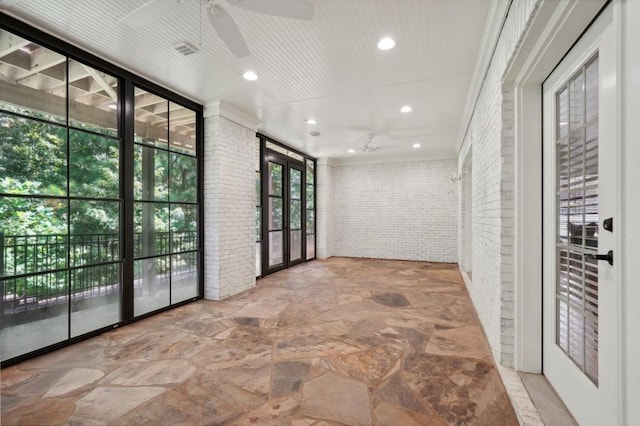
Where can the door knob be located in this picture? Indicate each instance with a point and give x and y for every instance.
(608, 257)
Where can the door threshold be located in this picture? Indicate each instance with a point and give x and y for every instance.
(550, 407)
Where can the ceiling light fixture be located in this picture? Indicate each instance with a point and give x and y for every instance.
(386, 43)
(351, 151)
(311, 121)
(113, 106)
(250, 75)
(406, 109)
(416, 145)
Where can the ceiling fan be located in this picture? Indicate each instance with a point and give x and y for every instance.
(220, 19)
(368, 146)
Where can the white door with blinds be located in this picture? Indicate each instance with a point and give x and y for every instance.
(580, 207)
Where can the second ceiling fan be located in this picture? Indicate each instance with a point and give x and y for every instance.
(221, 21)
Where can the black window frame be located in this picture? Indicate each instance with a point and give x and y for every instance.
(127, 81)
(265, 153)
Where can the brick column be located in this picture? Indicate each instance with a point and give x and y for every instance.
(229, 201)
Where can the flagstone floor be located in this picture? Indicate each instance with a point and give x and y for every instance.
(341, 341)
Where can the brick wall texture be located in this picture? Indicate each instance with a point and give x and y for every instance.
(229, 204)
(491, 135)
(402, 210)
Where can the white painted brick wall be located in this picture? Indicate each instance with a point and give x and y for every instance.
(491, 130)
(229, 205)
(324, 212)
(396, 210)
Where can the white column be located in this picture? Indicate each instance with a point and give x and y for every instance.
(229, 201)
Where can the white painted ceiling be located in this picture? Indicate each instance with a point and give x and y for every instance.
(328, 69)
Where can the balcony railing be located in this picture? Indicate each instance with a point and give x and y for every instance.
(34, 270)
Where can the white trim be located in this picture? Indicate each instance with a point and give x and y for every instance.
(630, 252)
(555, 27)
(496, 15)
(231, 112)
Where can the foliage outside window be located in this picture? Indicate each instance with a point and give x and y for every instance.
(63, 202)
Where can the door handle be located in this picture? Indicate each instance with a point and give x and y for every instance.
(608, 257)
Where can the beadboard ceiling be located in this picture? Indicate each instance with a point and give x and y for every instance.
(328, 69)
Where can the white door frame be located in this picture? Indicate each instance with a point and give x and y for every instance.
(554, 29)
(630, 253)
(552, 32)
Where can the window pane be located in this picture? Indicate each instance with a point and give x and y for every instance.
(184, 276)
(184, 172)
(34, 234)
(310, 197)
(94, 166)
(182, 129)
(95, 232)
(95, 298)
(296, 245)
(295, 155)
(295, 214)
(311, 246)
(295, 184)
(311, 222)
(272, 146)
(276, 248)
(32, 157)
(310, 172)
(151, 119)
(151, 227)
(151, 174)
(150, 284)
(93, 99)
(275, 213)
(184, 227)
(35, 313)
(275, 179)
(38, 91)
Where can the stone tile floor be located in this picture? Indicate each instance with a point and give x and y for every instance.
(342, 341)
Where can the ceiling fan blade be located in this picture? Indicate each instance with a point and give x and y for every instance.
(296, 9)
(149, 12)
(228, 31)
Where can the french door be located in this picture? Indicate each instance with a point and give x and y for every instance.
(285, 209)
(580, 199)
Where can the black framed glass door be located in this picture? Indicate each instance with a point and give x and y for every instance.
(283, 223)
(295, 210)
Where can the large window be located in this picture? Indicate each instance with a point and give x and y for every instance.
(165, 203)
(82, 184)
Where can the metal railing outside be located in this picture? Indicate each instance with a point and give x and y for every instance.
(34, 273)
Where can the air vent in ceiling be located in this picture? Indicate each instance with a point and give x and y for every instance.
(185, 48)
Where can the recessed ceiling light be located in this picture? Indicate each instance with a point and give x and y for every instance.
(311, 121)
(405, 109)
(386, 43)
(416, 145)
(250, 75)
(351, 151)
(113, 106)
